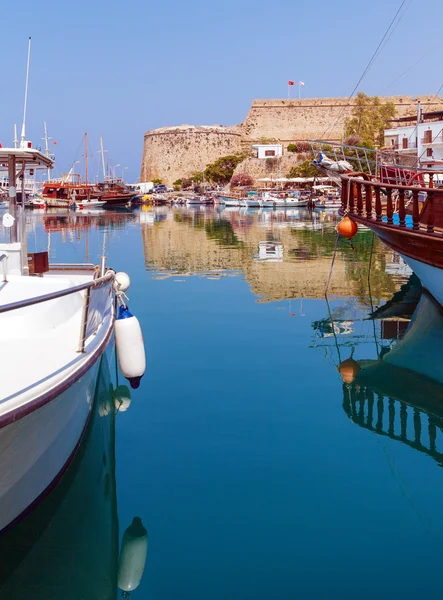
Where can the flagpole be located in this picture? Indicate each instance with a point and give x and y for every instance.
(289, 87)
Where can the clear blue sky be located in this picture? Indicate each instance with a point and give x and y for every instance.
(120, 68)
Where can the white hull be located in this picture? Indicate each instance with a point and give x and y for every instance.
(250, 203)
(430, 277)
(36, 448)
(231, 202)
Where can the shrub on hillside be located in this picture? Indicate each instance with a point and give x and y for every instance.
(243, 179)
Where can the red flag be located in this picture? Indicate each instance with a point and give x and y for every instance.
(290, 83)
(54, 142)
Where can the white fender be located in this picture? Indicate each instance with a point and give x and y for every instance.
(122, 281)
(122, 398)
(132, 560)
(130, 346)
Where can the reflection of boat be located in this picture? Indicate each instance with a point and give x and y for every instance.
(400, 395)
(68, 546)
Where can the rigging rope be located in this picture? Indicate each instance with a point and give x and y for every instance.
(368, 66)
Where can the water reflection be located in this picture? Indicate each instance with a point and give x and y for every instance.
(283, 253)
(400, 394)
(68, 546)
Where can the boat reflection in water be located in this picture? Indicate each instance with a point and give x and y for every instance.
(400, 395)
(68, 546)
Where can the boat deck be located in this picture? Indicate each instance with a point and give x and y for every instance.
(51, 329)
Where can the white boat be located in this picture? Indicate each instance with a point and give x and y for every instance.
(230, 201)
(198, 201)
(251, 202)
(55, 324)
(87, 204)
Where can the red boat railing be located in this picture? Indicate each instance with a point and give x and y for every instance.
(373, 201)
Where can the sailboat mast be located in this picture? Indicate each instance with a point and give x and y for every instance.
(23, 134)
(46, 138)
(86, 157)
(103, 158)
(15, 137)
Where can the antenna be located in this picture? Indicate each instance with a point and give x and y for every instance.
(23, 135)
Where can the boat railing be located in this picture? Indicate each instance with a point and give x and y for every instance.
(4, 260)
(396, 419)
(87, 287)
(373, 201)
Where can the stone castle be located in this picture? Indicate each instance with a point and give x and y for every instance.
(170, 153)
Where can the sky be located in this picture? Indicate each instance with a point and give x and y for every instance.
(117, 69)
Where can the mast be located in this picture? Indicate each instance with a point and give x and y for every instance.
(86, 157)
(23, 134)
(46, 138)
(15, 137)
(102, 152)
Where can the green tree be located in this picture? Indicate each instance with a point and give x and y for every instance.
(221, 170)
(157, 181)
(292, 148)
(197, 176)
(368, 120)
(304, 169)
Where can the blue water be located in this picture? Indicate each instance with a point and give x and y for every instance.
(237, 451)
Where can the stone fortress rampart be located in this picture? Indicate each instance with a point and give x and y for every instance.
(173, 152)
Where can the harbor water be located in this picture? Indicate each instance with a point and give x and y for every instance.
(268, 452)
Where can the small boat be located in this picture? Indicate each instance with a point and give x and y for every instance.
(88, 204)
(198, 201)
(230, 201)
(250, 203)
(54, 328)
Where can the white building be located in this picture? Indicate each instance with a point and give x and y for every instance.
(268, 150)
(424, 139)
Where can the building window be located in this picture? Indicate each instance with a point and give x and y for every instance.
(429, 152)
(428, 136)
(405, 142)
(269, 152)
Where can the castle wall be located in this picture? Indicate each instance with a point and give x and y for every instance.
(174, 152)
(170, 153)
(316, 118)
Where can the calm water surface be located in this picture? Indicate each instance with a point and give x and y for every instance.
(257, 472)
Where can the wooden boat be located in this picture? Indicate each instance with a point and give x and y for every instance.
(418, 238)
(68, 191)
(115, 192)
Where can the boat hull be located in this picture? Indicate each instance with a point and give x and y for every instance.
(37, 448)
(421, 252)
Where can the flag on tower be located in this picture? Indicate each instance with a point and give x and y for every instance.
(290, 82)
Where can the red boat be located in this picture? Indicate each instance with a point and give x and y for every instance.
(69, 190)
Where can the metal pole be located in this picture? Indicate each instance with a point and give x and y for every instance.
(12, 197)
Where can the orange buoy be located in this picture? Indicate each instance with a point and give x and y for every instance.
(347, 228)
(349, 370)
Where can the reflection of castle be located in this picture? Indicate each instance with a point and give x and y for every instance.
(400, 395)
(197, 242)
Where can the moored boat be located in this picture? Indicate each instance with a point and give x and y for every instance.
(418, 237)
(56, 322)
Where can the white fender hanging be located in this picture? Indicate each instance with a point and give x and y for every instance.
(132, 560)
(130, 346)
